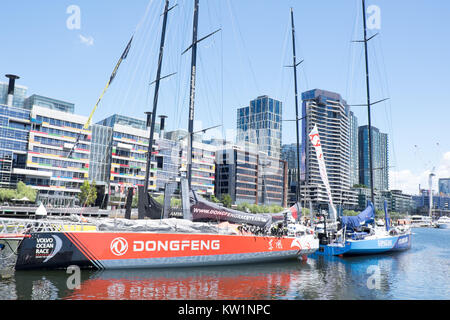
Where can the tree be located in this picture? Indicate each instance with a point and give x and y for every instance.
(214, 199)
(23, 191)
(88, 193)
(226, 200)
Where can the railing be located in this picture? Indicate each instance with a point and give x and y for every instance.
(22, 226)
(27, 211)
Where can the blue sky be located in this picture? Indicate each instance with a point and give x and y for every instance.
(409, 63)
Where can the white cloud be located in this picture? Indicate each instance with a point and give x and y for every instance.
(89, 41)
(409, 182)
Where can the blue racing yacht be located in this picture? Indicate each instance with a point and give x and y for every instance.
(359, 235)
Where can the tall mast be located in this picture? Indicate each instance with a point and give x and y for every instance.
(155, 99)
(298, 194)
(192, 93)
(372, 193)
(193, 46)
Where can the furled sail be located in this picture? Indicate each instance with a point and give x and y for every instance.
(367, 216)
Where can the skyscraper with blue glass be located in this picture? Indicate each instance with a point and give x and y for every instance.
(261, 123)
(380, 158)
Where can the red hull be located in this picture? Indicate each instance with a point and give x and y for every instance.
(109, 250)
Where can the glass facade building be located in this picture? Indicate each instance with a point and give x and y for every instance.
(444, 186)
(14, 131)
(380, 158)
(49, 103)
(289, 154)
(128, 122)
(251, 177)
(20, 93)
(261, 124)
(167, 156)
(100, 156)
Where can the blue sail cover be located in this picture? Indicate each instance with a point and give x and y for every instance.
(364, 217)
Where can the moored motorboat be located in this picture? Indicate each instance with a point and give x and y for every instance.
(443, 223)
(418, 221)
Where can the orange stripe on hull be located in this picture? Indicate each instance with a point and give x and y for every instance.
(113, 246)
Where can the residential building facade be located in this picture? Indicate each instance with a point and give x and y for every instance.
(59, 150)
(331, 114)
(397, 201)
(354, 147)
(203, 166)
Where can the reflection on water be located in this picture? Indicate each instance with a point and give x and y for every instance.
(420, 273)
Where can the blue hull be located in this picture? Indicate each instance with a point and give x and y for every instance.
(365, 247)
(331, 250)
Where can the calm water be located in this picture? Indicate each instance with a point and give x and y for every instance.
(420, 273)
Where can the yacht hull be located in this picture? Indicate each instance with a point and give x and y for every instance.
(110, 250)
(367, 246)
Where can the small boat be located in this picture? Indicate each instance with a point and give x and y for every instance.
(359, 236)
(418, 221)
(443, 223)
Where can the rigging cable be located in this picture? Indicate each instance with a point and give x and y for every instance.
(111, 79)
(235, 25)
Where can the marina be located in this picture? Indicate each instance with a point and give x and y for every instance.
(418, 273)
(124, 209)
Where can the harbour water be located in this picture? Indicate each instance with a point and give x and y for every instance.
(423, 272)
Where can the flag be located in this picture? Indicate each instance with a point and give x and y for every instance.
(123, 57)
(315, 140)
(113, 75)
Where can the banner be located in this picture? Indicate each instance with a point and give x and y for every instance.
(315, 140)
(113, 75)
